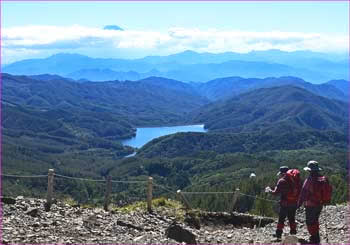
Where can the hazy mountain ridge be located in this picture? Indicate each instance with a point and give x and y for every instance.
(63, 63)
(342, 85)
(272, 55)
(191, 66)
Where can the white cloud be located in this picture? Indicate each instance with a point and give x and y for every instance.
(9, 55)
(41, 39)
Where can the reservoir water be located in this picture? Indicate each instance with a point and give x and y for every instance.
(144, 135)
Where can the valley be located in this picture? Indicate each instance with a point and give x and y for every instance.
(250, 125)
(172, 122)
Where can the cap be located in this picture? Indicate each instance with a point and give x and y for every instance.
(312, 166)
(283, 170)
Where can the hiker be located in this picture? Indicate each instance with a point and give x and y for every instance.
(289, 193)
(315, 193)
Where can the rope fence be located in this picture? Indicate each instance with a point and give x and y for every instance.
(149, 191)
(256, 197)
(75, 178)
(208, 192)
(129, 181)
(23, 176)
(164, 188)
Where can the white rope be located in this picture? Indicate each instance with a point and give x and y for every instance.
(207, 192)
(74, 178)
(104, 180)
(269, 200)
(127, 181)
(23, 176)
(164, 188)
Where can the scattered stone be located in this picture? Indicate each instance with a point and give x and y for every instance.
(138, 238)
(67, 224)
(234, 218)
(121, 223)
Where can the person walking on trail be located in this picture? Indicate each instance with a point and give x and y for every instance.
(289, 195)
(315, 193)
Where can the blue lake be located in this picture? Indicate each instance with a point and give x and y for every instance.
(144, 135)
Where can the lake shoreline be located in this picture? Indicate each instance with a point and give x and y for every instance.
(146, 134)
(170, 125)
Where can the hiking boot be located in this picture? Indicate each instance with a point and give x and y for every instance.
(315, 239)
(293, 232)
(278, 234)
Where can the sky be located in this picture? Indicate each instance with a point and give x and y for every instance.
(40, 29)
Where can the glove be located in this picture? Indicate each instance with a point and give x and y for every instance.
(268, 189)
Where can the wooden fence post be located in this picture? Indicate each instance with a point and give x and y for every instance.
(149, 194)
(182, 197)
(49, 190)
(234, 199)
(108, 192)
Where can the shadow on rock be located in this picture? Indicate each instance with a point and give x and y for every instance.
(179, 234)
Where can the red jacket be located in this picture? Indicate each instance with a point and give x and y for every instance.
(307, 196)
(283, 188)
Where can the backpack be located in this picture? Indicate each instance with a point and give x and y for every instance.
(293, 179)
(322, 190)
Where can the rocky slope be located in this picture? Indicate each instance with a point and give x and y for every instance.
(24, 221)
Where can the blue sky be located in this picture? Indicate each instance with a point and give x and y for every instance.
(39, 29)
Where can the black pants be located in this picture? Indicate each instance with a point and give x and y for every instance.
(287, 211)
(312, 216)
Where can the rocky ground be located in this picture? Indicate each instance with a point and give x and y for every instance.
(25, 221)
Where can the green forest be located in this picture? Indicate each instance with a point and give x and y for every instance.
(76, 129)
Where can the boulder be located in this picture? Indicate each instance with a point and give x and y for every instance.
(33, 212)
(290, 240)
(179, 234)
(8, 200)
(192, 221)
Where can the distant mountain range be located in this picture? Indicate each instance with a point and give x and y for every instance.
(190, 66)
(226, 87)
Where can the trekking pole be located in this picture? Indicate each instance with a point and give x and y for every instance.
(257, 227)
(325, 223)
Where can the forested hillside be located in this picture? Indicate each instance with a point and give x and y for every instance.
(138, 103)
(276, 110)
(75, 128)
(224, 88)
